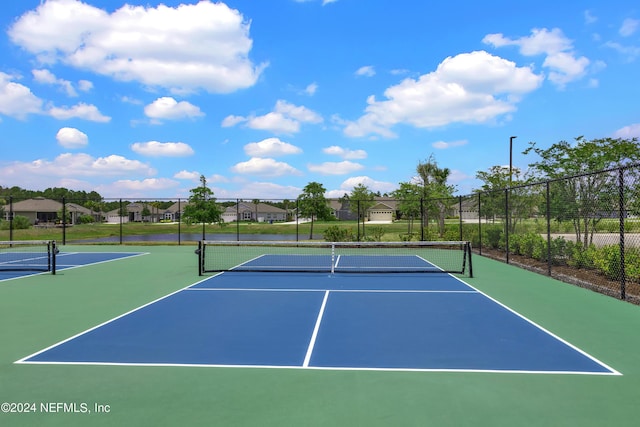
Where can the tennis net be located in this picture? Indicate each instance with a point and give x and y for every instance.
(335, 257)
(30, 255)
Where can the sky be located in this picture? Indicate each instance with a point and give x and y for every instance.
(140, 99)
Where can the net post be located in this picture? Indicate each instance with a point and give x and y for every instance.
(53, 252)
(468, 250)
(333, 257)
(200, 257)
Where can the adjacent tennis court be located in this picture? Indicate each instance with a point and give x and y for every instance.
(157, 342)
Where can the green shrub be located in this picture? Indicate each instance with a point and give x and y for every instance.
(494, 237)
(87, 219)
(375, 233)
(334, 233)
(19, 223)
(407, 237)
(581, 257)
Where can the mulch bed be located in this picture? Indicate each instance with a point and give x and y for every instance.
(585, 278)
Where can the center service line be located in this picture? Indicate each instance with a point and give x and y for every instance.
(312, 343)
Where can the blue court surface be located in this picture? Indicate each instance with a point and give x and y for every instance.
(405, 321)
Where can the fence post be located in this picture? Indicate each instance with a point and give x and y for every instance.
(238, 220)
(479, 225)
(10, 218)
(506, 217)
(548, 215)
(179, 213)
(421, 219)
(621, 213)
(460, 212)
(120, 214)
(64, 221)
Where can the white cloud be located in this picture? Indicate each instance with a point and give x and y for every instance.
(274, 122)
(184, 48)
(162, 149)
(442, 145)
(183, 174)
(264, 167)
(47, 77)
(561, 59)
(311, 89)
(80, 111)
(632, 52)
(17, 100)
(629, 27)
(335, 168)
(285, 118)
(345, 153)
(264, 190)
(232, 120)
(85, 85)
(136, 188)
(565, 68)
(270, 147)
(217, 178)
(72, 138)
(33, 174)
(167, 108)
(366, 71)
(324, 2)
(468, 88)
(589, 18)
(372, 184)
(627, 132)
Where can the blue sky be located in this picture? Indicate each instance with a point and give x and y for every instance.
(262, 97)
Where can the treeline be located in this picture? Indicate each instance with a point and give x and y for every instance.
(56, 193)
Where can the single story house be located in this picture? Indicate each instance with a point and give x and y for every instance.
(46, 211)
(249, 211)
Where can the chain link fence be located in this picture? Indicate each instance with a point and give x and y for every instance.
(583, 229)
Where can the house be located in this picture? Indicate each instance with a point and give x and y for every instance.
(382, 210)
(138, 212)
(46, 211)
(249, 211)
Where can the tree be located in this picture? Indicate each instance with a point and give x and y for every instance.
(578, 193)
(523, 200)
(360, 200)
(409, 202)
(202, 207)
(312, 203)
(437, 194)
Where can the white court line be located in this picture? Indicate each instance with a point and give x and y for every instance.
(312, 343)
(24, 359)
(391, 291)
(323, 368)
(612, 371)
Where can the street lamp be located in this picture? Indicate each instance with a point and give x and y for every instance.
(511, 159)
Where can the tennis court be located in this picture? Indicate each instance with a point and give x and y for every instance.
(157, 343)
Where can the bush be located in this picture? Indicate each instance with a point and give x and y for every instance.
(375, 233)
(494, 237)
(19, 223)
(334, 233)
(87, 219)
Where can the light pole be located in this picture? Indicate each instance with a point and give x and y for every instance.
(511, 159)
